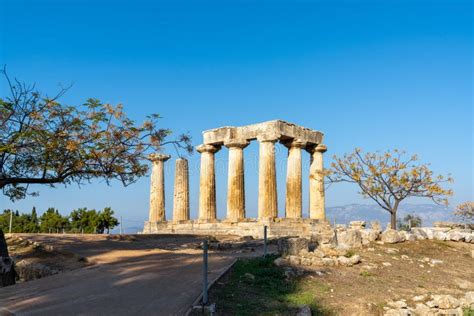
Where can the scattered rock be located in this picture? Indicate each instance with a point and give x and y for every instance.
(468, 299)
(397, 304)
(352, 238)
(391, 250)
(422, 309)
(419, 233)
(344, 261)
(369, 235)
(304, 310)
(318, 254)
(294, 260)
(249, 276)
(279, 262)
(357, 224)
(455, 236)
(328, 262)
(391, 236)
(419, 298)
(375, 225)
(306, 261)
(440, 235)
(409, 236)
(445, 301)
(386, 264)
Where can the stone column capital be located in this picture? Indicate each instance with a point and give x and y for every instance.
(206, 148)
(320, 148)
(268, 138)
(295, 143)
(158, 157)
(236, 143)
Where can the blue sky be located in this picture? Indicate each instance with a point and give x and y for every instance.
(371, 74)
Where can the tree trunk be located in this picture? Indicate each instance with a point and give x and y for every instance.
(7, 268)
(393, 219)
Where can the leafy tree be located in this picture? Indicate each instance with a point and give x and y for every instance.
(409, 221)
(43, 141)
(389, 178)
(34, 220)
(106, 220)
(52, 221)
(465, 212)
(84, 220)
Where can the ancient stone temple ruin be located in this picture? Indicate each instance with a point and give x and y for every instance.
(297, 139)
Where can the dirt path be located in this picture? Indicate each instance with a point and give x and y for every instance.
(146, 275)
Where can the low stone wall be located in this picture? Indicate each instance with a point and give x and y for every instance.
(277, 227)
(356, 235)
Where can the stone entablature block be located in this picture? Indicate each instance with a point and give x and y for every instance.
(276, 129)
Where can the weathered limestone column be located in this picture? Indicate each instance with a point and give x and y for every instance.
(181, 191)
(316, 183)
(267, 186)
(294, 202)
(235, 180)
(157, 188)
(207, 192)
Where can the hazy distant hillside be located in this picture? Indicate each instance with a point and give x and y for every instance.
(429, 213)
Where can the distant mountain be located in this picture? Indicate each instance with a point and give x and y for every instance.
(429, 213)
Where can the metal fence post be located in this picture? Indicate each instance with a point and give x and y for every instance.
(204, 273)
(265, 240)
(11, 221)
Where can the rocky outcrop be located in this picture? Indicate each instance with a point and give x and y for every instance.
(28, 271)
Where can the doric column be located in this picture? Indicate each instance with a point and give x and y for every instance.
(316, 183)
(207, 189)
(293, 180)
(157, 188)
(181, 191)
(235, 180)
(267, 186)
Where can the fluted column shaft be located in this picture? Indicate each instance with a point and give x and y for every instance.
(294, 202)
(267, 186)
(207, 184)
(181, 191)
(235, 180)
(316, 183)
(157, 188)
